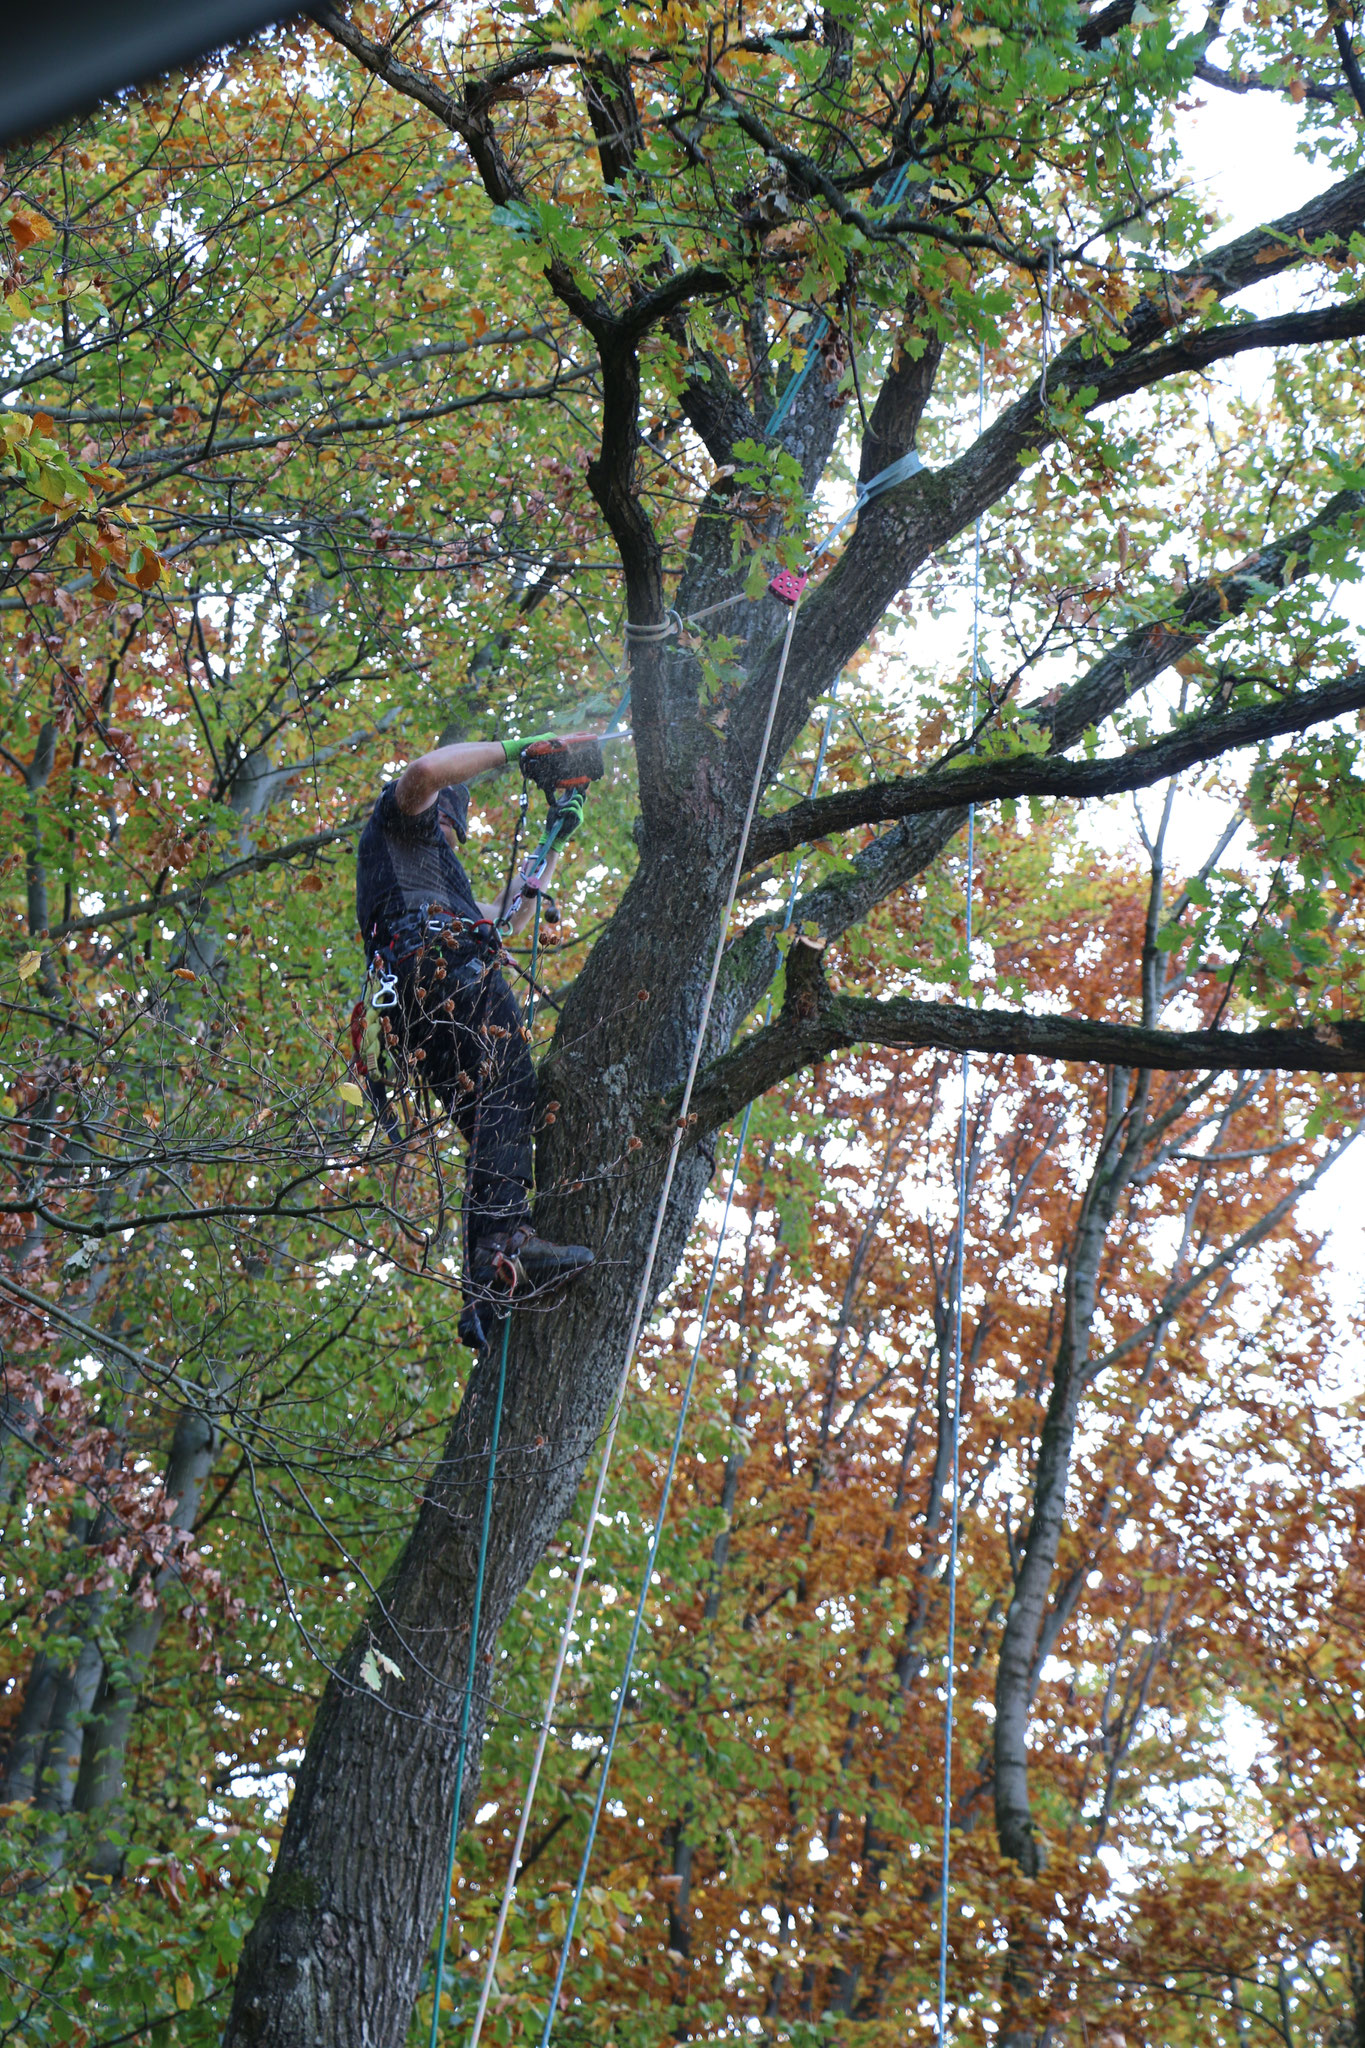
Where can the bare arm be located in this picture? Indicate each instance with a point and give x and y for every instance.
(422, 780)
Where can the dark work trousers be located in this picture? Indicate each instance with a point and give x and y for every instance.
(460, 1034)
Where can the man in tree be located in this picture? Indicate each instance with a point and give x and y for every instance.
(451, 1020)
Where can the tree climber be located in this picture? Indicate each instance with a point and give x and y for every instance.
(448, 1017)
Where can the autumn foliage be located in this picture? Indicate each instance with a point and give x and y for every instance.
(345, 407)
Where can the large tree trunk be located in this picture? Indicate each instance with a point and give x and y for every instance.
(338, 1950)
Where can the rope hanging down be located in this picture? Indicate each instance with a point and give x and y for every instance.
(955, 1389)
(788, 587)
(509, 1891)
(651, 1253)
(476, 1616)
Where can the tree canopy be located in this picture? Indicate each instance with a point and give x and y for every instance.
(449, 373)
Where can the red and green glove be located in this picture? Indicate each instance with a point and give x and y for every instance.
(514, 749)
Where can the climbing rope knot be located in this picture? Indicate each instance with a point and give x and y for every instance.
(651, 635)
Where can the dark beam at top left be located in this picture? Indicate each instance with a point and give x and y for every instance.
(62, 57)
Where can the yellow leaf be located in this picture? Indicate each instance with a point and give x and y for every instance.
(348, 1092)
(184, 1991)
(28, 965)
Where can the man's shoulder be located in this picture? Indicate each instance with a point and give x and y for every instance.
(390, 819)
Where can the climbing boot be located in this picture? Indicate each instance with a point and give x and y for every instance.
(478, 1325)
(517, 1263)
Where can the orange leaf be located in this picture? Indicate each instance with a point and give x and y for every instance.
(312, 883)
(29, 227)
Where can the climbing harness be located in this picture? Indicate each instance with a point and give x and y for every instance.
(563, 768)
(469, 949)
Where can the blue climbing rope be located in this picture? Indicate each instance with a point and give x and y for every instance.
(476, 1618)
(820, 326)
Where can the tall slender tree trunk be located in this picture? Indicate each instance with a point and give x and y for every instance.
(124, 1671)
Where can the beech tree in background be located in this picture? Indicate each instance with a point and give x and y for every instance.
(367, 387)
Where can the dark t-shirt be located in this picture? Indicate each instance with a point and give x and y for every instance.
(404, 864)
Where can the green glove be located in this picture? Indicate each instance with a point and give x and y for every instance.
(512, 749)
(566, 813)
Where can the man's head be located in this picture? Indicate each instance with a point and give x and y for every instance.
(452, 815)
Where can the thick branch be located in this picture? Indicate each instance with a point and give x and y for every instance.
(899, 529)
(1217, 344)
(816, 1022)
(905, 392)
(676, 291)
(1250, 81)
(414, 85)
(980, 782)
(1107, 22)
(906, 849)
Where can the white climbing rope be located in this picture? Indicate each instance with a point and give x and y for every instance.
(636, 1325)
(955, 1390)
(675, 1451)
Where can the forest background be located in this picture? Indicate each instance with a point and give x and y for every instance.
(299, 473)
